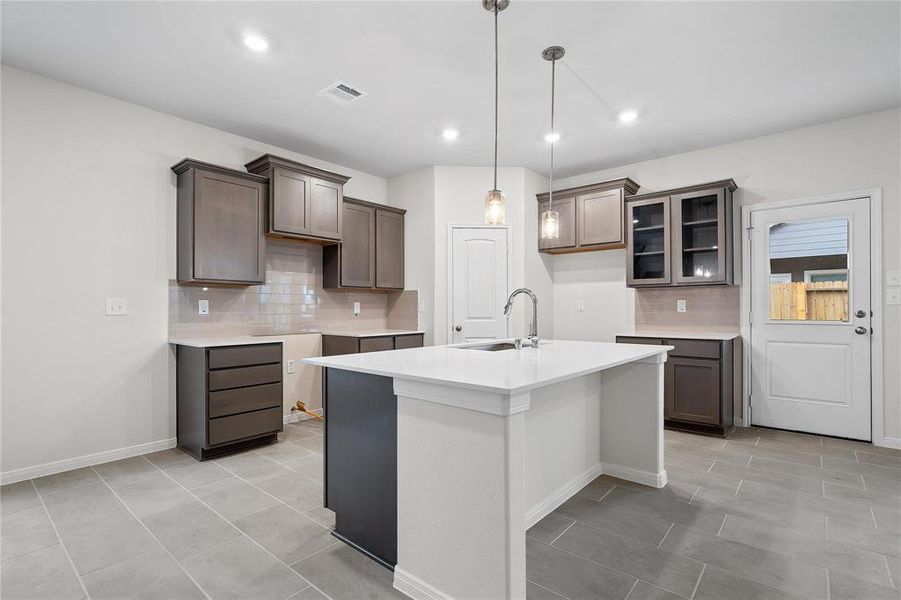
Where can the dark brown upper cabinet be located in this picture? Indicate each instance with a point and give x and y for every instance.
(681, 237)
(304, 202)
(371, 255)
(591, 217)
(220, 218)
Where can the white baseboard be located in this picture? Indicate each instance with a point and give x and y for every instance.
(88, 460)
(415, 587)
(656, 480)
(889, 442)
(295, 416)
(548, 505)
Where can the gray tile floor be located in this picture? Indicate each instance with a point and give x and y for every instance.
(765, 515)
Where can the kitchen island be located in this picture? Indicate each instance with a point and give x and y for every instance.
(438, 459)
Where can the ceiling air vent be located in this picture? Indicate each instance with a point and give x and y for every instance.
(340, 93)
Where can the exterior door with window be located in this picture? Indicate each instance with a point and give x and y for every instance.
(810, 318)
(478, 284)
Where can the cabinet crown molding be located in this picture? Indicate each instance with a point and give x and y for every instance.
(401, 211)
(722, 183)
(628, 186)
(191, 163)
(265, 162)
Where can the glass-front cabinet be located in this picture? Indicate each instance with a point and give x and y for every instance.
(648, 253)
(681, 236)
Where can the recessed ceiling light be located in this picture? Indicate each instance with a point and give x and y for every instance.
(450, 134)
(255, 42)
(552, 137)
(628, 116)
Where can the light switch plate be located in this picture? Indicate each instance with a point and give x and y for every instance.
(116, 307)
(680, 306)
(893, 295)
(290, 367)
(356, 309)
(203, 307)
(893, 278)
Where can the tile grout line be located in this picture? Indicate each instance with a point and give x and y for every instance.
(663, 539)
(235, 527)
(738, 487)
(875, 522)
(59, 538)
(561, 533)
(631, 589)
(710, 468)
(548, 589)
(144, 525)
(889, 571)
(723, 524)
(698, 582)
(828, 586)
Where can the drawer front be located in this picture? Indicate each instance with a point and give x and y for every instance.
(408, 341)
(621, 339)
(239, 400)
(695, 348)
(245, 376)
(241, 356)
(240, 427)
(376, 344)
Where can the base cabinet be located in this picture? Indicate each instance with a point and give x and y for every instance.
(351, 344)
(702, 381)
(228, 398)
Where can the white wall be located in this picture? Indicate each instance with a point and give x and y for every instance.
(851, 154)
(415, 191)
(89, 213)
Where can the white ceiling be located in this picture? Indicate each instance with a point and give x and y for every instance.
(700, 74)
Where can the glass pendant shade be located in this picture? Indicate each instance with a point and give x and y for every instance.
(494, 208)
(550, 225)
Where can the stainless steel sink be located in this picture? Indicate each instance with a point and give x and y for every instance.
(492, 347)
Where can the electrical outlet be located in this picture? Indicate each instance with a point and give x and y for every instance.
(116, 307)
(203, 307)
(580, 306)
(893, 296)
(356, 309)
(892, 278)
(290, 367)
(680, 306)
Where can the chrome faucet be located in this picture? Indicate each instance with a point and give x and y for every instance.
(533, 330)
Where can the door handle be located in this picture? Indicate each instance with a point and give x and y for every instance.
(860, 330)
(458, 328)
(860, 314)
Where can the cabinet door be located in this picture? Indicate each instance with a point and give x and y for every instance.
(324, 209)
(389, 250)
(228, 229)
(699, 237)
(566, 209)
(692, 390)
(289, 197)
(648, 246)
(358, 246)
(600, 219)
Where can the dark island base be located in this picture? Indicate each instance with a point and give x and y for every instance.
(361, 461)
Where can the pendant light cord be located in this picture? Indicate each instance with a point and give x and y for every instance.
(495, 94)
(550, 203)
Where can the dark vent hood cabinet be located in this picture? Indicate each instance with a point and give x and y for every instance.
(305, 202)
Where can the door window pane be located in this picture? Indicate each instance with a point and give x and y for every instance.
(809, 270)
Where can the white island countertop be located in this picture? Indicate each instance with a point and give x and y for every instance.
(506, 371)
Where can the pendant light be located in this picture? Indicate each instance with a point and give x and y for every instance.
(494, 201)
(550, 219)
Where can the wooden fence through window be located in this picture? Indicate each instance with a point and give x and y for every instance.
(816, 301)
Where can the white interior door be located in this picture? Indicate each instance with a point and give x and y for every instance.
(810, 318)
(479, 264)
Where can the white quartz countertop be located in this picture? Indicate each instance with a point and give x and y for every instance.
(507, 371)
(372, 332)
(213, 342)
(684, 335)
